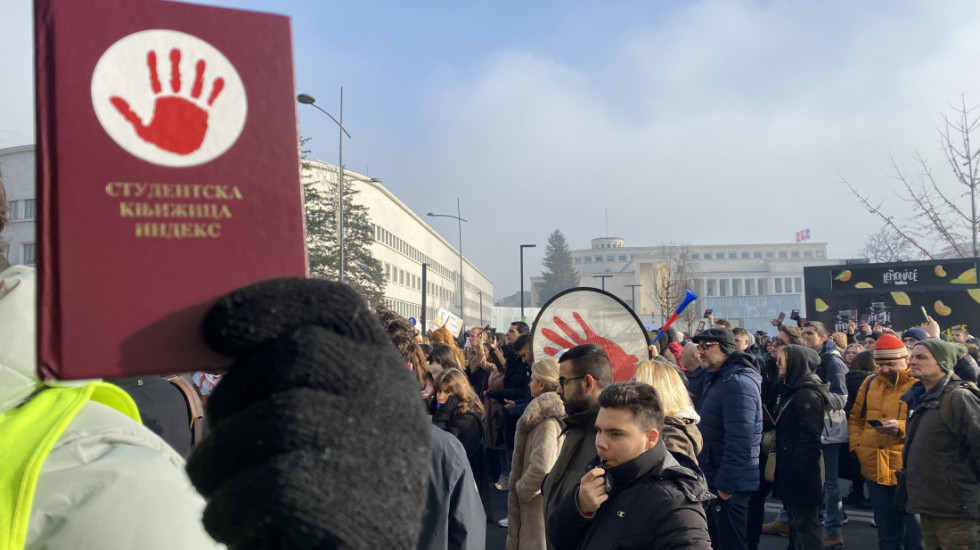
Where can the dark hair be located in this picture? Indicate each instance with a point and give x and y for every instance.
(794, 333)
(864, 361)
(819, 327)
(641, 400)
(402, 335)
(522, 341)
(444, 355)
(521, 327)
(739, 331)
(592, 360)
(723, 322)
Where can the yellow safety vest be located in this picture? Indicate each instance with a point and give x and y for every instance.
(27, 435)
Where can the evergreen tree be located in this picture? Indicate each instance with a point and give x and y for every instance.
(559, 274)
(361, 270)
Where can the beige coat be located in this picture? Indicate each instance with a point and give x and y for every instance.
(536, 445)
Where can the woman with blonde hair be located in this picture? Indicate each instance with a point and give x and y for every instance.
(536, 445)
(457, 410)
(681, 434)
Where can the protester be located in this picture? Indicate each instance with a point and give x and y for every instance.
(860, 368)
(443, 336)
(680, 432)
(850, 351)
(731, 424)
(697, 377)
(79, 469)
(799, 423)
(942, 448)
(457, 409)
(498, 458)
(635, 493)
(831, 370)
(879, 447)
(583, 372)
(537, 442)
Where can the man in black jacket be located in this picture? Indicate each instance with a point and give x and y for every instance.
(637, 495)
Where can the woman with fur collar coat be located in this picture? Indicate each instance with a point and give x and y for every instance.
(536, 447)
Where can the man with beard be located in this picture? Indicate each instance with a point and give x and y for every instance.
(583, 372)
(876, 430)
(731, 424)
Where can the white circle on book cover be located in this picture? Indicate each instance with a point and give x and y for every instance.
(169, 98)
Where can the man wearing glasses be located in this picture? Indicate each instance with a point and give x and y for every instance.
(583, 372)
(731, 424)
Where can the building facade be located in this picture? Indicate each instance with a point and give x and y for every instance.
(17, 174)
(746, 283)
(402, 243)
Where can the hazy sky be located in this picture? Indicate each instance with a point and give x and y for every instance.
(704, 122)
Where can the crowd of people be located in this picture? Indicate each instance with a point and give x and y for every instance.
(342, 426)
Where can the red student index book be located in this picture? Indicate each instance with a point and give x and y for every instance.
(168, 175)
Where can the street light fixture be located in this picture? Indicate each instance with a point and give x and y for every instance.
(603, 277)
(307, 99)
(523, 246)
(460, 223)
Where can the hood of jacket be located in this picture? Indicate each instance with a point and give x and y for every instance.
(827, 348)
(801, 364)
(18, 356)
(545, 406)
(743, 363)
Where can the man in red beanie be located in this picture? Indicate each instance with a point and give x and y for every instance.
(876, 435)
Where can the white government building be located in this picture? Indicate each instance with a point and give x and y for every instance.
(748, 284)
(403, 241)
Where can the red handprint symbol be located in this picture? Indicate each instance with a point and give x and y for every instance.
(179, 124)
(623, 364)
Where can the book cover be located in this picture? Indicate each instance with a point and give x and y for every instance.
(168, 175)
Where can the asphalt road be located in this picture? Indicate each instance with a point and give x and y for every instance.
(858, 532)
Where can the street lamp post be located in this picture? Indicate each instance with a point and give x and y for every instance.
(460, 221)
(523, 246)
(603, 277)
(307, 99)
(633, 290)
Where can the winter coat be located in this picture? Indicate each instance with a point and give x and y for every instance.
(696, 381)
(454, 518)
(880, 455)
(966, 368)
(731, 425)
(833, 369)
(681, 435)
(942, 464)
(107, 478)
(655, 503)
(536, 445)
(493, 423)
(516, 377)
(468, 429)
(577, 451)
(799, 423)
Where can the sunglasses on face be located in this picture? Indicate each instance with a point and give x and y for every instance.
(705, 345)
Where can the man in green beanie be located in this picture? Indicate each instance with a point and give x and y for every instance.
(942, 448)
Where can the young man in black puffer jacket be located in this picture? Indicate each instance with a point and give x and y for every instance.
(637, 495)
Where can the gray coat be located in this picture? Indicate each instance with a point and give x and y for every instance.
(942, 465)
(454, 517)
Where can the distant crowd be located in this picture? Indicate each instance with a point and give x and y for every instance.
(341, 426)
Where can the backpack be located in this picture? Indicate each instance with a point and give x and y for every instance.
(944, 411)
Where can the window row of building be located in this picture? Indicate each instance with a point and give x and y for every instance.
(749, 287)
(20, 210)
(696, 256)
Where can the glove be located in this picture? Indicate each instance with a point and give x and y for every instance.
(317, 437)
